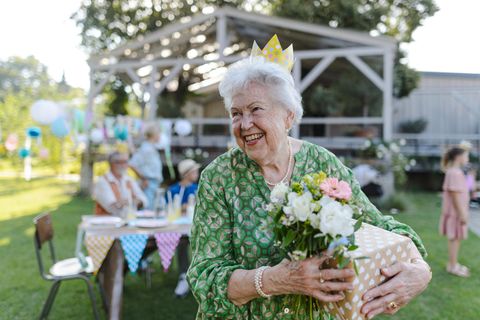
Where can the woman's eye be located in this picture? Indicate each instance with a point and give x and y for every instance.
(256, 109)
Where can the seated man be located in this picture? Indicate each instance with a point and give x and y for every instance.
(187, 187)
(116, 192)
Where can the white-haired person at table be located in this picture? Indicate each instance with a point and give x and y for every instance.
(116, 192)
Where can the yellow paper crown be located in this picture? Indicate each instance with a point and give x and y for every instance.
(273, 52)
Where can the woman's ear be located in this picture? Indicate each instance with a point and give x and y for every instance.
(289, 120)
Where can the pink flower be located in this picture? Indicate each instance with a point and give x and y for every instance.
(334, 188)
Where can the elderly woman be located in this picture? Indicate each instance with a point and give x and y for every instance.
(229, 240)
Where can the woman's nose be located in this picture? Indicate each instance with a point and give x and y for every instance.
(246, 122)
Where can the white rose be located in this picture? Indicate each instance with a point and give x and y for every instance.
(326, 200)
(278, 193)
(336, 219)
(302, 206)
(315, 220)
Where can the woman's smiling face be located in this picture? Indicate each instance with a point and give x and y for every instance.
(259, 123)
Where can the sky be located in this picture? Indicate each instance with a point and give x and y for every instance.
(447, 42)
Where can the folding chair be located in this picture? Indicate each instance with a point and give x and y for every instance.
(69, 269)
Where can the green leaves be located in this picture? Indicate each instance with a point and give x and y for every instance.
(288, 238)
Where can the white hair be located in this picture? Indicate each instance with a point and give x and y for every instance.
(280, 83)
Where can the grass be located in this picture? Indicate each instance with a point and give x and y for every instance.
(23, 292)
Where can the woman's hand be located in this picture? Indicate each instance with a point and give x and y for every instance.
(307, 278)
(407, 281)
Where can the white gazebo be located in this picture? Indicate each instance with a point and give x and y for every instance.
(204, 44)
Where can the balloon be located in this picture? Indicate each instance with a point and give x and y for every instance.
(34, 132)
(96, 136)
(183, 127)
(79, 120)
(11, 143)
(43, 153)
(164, 142)
(121, 133)
(81, 138)
(122, 147)
(60, 127)
(23, 153)
(44, 111)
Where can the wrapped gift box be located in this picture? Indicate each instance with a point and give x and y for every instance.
(383, 248)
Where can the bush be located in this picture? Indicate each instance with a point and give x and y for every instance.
(394, 204)
(413, 126)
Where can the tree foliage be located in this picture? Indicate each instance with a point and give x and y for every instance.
(22, 82)
(395, 18)
(106, 23)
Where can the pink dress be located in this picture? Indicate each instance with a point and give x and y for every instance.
(450, 225)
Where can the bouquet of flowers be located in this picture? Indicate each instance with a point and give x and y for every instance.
(312, 217)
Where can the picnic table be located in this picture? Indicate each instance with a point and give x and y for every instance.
(110, 274)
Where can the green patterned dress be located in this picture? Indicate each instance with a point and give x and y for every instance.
(229, 229)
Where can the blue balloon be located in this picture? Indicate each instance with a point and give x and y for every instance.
(60, 127)
(34, 132)
(121, 133)
(23, 153)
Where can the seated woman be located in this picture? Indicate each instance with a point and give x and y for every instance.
(116, 192)
(230, 237)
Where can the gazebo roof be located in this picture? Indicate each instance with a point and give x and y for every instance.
(199, 32)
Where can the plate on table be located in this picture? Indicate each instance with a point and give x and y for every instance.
(149, 223)
(105, 221)
(183, 220)
(145, 214)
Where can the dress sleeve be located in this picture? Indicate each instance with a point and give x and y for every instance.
(139, 194)
(371, 214)
(213, 259)
(454, 181)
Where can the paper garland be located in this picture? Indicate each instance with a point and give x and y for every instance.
(98, 247)
(133, 246)
(167, 244)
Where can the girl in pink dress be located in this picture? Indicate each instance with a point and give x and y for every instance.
(454, 219)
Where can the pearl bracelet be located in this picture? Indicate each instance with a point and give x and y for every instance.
(258, 282)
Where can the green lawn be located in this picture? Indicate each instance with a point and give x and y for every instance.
(22, 291)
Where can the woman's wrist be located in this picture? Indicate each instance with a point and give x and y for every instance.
(275, 280)
(420, 261)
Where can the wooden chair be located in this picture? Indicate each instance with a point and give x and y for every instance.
(68, 269)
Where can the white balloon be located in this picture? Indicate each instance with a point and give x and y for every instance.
(164, 141)
(96, 136)
(81, 138)
(183, 127)
(45, 112)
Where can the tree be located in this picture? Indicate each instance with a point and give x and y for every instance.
(22, 82)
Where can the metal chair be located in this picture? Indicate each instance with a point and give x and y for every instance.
(69, 269)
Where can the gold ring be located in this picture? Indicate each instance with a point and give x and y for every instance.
(392, 305)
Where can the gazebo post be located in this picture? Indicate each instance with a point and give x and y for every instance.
(387, 94)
